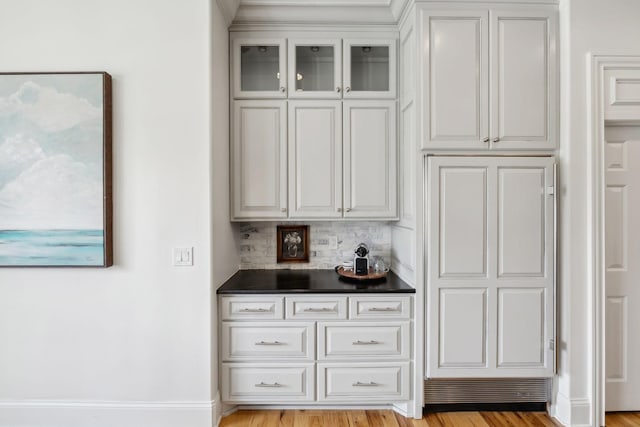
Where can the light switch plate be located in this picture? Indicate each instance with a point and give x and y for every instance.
(182, 257)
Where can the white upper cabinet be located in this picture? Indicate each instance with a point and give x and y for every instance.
(369, 147)
(490, 79)
(369, 68)
(259, 68)
(315, 159)
(457, 81)
(300, 148)
(259, 159)
(316, 71)
(313, 67)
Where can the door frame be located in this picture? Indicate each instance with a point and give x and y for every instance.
(596, 66)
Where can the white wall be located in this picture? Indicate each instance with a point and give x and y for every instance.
(128, 345)
(225, 253)
(602, 27)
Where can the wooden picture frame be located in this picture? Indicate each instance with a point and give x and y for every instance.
(293, 243)
(56, 203)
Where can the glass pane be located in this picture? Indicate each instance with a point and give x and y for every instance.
(314, 68)
(259, 68)
(370, 68)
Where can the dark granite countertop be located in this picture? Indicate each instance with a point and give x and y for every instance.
(307, 282)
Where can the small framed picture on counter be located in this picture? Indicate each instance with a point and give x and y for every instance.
(293, 243)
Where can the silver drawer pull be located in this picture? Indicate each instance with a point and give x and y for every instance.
(383, 309)
(263, 384)
(255, 310)
(369, 384)
(318, 310)
(370, 342)
(269, 343)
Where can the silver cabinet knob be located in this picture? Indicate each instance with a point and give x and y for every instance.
(338, 89)
(348, 210)
(496, 139)
(339, 210)
(282, 89)
(347, 89)
(485, 140)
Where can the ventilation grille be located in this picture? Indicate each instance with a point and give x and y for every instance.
(486, 390)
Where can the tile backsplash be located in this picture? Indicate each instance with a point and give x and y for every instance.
(331, 243)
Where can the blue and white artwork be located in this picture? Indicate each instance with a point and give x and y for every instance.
(52, 170)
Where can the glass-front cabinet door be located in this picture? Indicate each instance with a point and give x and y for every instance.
(259, 68)
(369, 68)
(314, 68)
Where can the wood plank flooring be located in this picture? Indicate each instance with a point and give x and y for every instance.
(317, 418)
(372, 418)
(622, 419)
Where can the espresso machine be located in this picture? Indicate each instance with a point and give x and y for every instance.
(361, 260)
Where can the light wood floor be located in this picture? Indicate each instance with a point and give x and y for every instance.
(315, 418)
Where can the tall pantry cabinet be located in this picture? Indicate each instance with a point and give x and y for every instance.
(314, 126)
(486, 126)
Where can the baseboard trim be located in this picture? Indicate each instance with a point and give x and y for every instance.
(571, 412)
(62, 413)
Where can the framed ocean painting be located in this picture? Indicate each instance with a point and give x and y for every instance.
(55, 170)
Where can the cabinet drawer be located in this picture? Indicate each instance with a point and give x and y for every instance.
(363, 340)
(380, 307)
(330, 307)
(258, 307)
(370, 381)
(274, 383)
(251, 340)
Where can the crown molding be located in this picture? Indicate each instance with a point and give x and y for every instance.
(228, 9)
(352, 12)
(398, 7)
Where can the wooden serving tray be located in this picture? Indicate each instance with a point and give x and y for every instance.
(351, 275)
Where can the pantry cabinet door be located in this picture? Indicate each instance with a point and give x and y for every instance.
(460, 294)
(369, 159)
(525, 267)
(490, 267)
(456, 79)
(259, 159)
(524, 80)
(315, 159)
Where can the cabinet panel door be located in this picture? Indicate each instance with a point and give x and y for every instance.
(315, 68)
(521, 328)
(462, 328)
(258, 68)
(369, 147)
(522, 222)
(525, 266)
(315, 159)
(259, 159)
(491, 248)
(369, 68)
(463, 222)
(523, 86)
(456, 79)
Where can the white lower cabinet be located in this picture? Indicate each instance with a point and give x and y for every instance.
(321, 350)
(267, 382)
(363, 381)
(337, 340)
